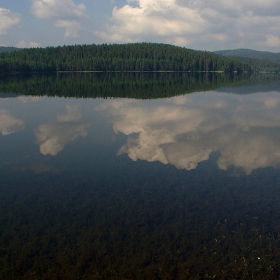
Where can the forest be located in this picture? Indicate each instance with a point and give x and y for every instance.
(261, 65)
(137, 57)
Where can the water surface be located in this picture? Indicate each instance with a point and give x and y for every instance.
(185, 187)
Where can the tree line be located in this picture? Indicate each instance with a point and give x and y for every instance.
(117, 57)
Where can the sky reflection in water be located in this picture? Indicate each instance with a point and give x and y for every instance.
(182, 131)
(177, 188)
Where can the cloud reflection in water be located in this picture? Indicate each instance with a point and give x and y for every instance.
(52, 138)
(9, 123)
(185, 130)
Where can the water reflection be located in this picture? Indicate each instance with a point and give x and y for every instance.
(86, 212)
(183, 131)
(53, 137)
(9, 123)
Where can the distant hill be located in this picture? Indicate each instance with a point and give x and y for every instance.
(8, 49)
(274, 57)
(258, 60)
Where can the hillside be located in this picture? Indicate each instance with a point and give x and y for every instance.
(8, 49)
(117, 57)
(273, 57)
(258, 60)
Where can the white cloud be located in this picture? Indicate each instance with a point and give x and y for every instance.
(9, 123)
(23, 44)
(272, 40)
(163, 18)
(72, 27)
(196, 23)
(59, 9)
(221, 37)
(8, 19)
(65, 13)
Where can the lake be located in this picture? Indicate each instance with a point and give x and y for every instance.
(140, 176)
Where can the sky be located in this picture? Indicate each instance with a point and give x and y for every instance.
(196, 24)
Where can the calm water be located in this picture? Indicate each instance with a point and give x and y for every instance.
(186, 187)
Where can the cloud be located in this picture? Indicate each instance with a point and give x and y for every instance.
(72, 27)
(59, 9)
(8, 19)
(196, 23)
(184, 131)
(272, 40)
(8, 123)
(161, 18)
(23, 44)
(65, 13)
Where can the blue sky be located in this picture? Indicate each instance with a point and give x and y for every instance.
(196, 24)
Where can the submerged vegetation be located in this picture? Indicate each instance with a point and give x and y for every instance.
(117, 57)
(139, 223)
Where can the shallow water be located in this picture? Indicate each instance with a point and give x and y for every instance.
(185, 187)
